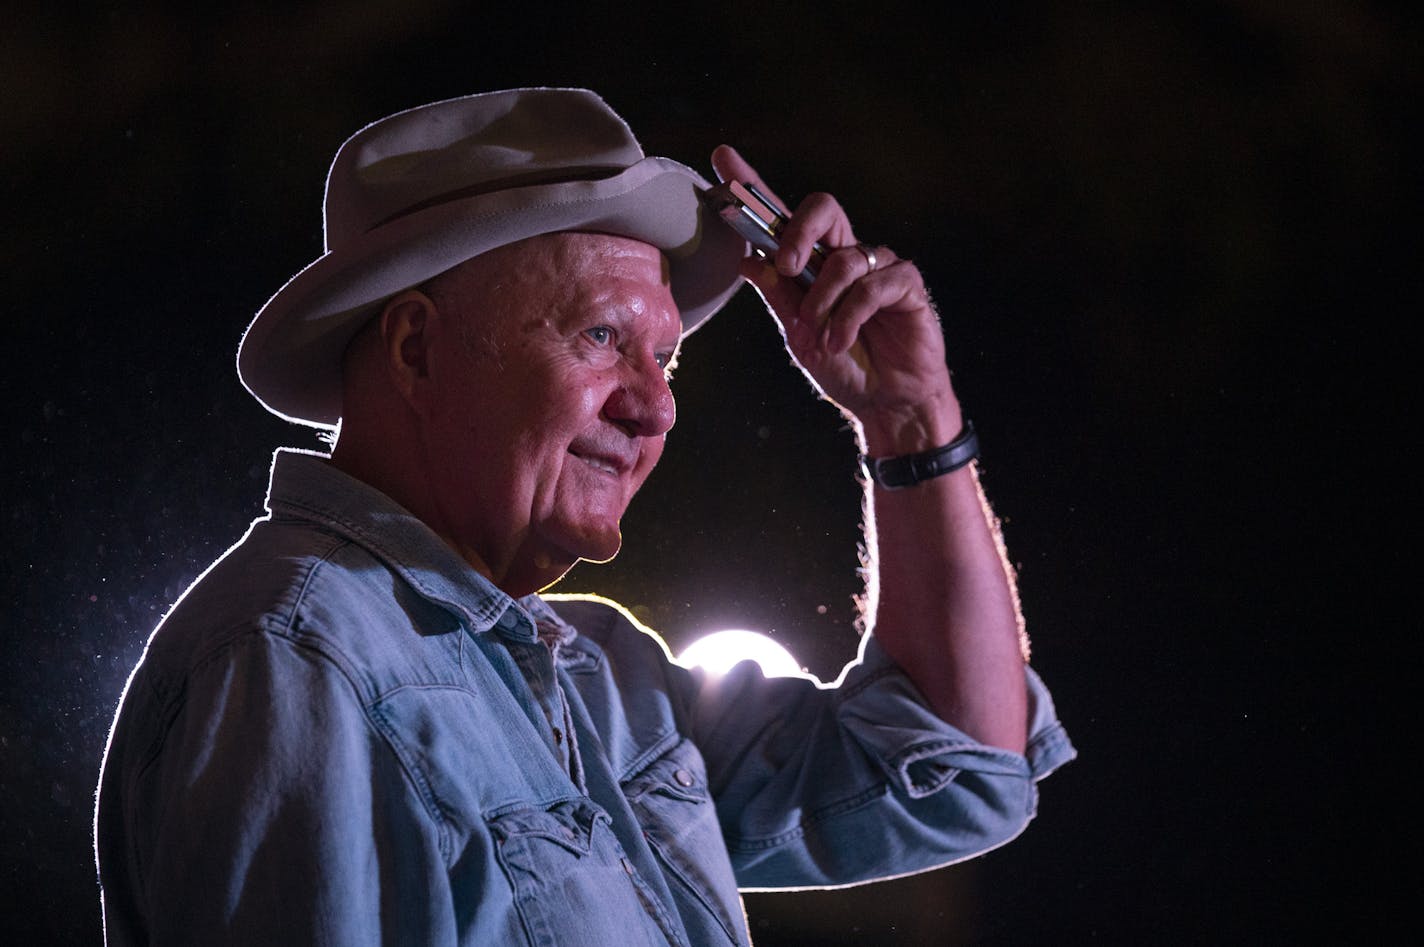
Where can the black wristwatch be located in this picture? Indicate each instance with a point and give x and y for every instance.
(895, 473)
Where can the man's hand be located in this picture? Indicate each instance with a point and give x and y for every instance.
(870, 339)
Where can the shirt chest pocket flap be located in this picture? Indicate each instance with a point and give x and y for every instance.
(570, 879)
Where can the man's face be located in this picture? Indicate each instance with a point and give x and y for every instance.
(551, 404)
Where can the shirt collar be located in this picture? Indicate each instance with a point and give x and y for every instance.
(305, 486)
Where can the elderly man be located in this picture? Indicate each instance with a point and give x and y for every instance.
(365, 725)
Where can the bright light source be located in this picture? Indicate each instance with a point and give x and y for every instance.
(718, 652)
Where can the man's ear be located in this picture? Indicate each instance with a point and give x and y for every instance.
(407, 322)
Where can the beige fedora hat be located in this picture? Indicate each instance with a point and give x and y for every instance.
(421, 191)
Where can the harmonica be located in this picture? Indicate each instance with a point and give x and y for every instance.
(759, 221)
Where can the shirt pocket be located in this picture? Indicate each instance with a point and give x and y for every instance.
(679, 819)
(571, 881)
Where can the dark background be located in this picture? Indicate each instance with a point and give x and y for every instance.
(1167, 243)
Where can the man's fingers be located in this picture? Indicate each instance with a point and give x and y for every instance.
(840, 272)
(892, 291)
(818, 219)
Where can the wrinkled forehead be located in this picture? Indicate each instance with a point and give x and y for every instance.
(577, 252)
(573, 261)
(565, 275)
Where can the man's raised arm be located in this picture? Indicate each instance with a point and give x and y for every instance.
(941, 592)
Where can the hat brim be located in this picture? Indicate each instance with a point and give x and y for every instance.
(290, 356)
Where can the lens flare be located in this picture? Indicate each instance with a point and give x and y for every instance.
(718, 652)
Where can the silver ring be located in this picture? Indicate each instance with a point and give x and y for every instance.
(869, 254)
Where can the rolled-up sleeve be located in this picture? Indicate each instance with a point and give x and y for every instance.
(820, 787)
(918, 751)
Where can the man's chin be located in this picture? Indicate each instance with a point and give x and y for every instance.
(603, 551)
(586, 546)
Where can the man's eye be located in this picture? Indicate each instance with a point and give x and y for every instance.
(601, 335)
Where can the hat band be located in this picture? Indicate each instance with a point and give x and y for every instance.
(532, 179)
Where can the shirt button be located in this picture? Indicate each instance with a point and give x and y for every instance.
(558, 737)
(684, 778)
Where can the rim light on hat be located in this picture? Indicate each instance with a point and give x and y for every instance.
(421, 191)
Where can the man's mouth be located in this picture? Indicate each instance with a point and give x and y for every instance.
(608, 463)
(597, 464)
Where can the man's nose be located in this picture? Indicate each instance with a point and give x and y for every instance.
(643, 405)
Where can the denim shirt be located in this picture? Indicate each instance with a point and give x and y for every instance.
(342, 734)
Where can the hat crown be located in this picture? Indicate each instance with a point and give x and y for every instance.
(470, 145)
